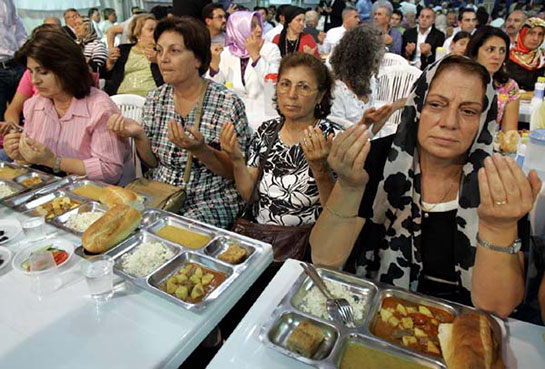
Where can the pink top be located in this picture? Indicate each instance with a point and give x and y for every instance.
(82, 134)
(26, 88)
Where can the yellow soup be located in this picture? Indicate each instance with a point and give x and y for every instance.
(88, 191)
(184, 237)
(358, 356)
(10, 173)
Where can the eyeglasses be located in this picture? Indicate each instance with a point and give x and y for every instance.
(302, 88)
(221, 16)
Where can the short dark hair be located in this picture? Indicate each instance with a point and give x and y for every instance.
(467, 65)
(398, 12)
(461, 35)
(107, 12)
(69, 10)
(258, 8)
(196, 37)
(208, 10)
(477, 41)
(465, 10)
(320, 72)
(59, 54)
(91, 11)
(159, 12)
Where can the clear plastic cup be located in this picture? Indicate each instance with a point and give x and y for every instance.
(33, 225)
(44, 273)
(98, 272)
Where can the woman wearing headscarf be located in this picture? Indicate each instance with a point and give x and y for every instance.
(247, 57)
(526, 60)
(292, 39)
(432, 210)
(94, 50)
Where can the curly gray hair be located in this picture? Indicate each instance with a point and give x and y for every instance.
(357, 57)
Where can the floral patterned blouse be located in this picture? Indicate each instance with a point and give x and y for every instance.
(506, 93)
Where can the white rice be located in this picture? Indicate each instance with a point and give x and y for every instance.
(145, 259)
(5, 191)
(314, 302)
(80, 222)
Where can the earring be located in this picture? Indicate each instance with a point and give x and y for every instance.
(318, 110)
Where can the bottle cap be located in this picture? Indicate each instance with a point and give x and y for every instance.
(229, 84)
(541, 79)
(271, 77)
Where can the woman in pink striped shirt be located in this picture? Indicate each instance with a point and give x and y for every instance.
(65, 124)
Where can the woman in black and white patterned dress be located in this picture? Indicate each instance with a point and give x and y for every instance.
(432, 211)
(296, 178)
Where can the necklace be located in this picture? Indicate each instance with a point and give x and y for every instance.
(430, 208)
(293, 45)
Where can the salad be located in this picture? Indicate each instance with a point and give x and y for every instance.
(60, 256)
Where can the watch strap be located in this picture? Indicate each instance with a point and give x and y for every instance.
(57, 166)
(513, 249)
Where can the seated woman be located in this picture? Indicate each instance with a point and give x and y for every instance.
(167, 135)
(292, 149)
(434, 211)
(526, 60)
(132, 68)
(247, 58)
(292, 39)
(459, 43)
(490, 47)
(66, 123)
(94, 50)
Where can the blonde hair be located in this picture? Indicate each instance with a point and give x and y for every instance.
(135, 28)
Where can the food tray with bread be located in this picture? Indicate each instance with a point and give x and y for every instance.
(77, 220)
(52, 204)
(19, 199)
(16, 179)
(392, 328)
(107, 194)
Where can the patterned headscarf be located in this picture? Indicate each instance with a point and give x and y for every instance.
(90, 32)
(520, 54)
(397, 205)
(238, 29)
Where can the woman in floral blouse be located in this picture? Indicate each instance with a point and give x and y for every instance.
(490, 47)
(168, 135)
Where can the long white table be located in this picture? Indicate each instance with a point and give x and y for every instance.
(244, 350)
(135, 329)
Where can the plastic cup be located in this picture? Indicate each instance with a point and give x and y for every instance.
(33, 225)
(98, 272)
(44, 273)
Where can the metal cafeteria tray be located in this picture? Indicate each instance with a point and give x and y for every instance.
(15, 187)
(22, 170)
(61, 220)
(290, 312)
(33, 204)
(25, 172)
(19, 199)
(44, 177)
(152, 221)
(83, 182)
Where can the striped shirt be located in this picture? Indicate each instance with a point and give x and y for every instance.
(82, 134)
(96, 54)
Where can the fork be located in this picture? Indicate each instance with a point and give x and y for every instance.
(333, 304)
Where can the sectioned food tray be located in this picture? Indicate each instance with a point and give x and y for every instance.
(369, 296)
(22, 179)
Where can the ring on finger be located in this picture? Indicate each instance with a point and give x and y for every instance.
(500, 203)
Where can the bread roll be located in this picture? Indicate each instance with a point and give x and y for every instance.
(509, 141)
(470, 342)
(113, 227)
(113, 195)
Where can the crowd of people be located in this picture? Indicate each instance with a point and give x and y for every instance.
(429, 208)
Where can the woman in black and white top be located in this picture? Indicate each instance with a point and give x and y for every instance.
(296, 178)
(94, 50)
(432, 211)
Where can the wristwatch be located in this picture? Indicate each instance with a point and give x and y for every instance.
(513, 249)
(57, 166)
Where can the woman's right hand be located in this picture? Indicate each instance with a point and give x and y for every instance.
(347, 157)
(229, 142)
(216, 50)
(124, 127)
(11, 145)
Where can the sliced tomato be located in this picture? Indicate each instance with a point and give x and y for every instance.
(60, 256)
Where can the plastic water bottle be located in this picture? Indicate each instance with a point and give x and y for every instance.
(268, 95)
(521, 149)
(536, 102)
(535, 153)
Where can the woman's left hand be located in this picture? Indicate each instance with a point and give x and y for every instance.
(253, 45)
(193, 142)
(151, 53)
(309, 50)
(506, 193)
(35, 152)
(316, 149)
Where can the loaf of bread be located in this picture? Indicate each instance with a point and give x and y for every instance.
(509, 141)
(113, 195)
(471, 342)
(110, 229)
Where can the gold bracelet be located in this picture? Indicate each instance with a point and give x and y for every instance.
(339, 215)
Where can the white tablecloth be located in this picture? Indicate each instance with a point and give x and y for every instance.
(243, 349)
(135, 329)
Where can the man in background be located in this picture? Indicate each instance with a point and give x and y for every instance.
(467, 21)
(364, 9)
(421, 42)
(351, 19)
(53, 20)
(269, 36)
(382, 11)
(267, 26)
(332, 11)
(513, 24)
(94, 16)
(395, 22)
(215, 19)
(70, 16)
(311, 22)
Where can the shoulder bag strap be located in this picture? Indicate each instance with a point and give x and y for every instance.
(198, 116)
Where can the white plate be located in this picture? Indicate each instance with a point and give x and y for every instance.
(11, 228)
(24, 254)
(5, 255)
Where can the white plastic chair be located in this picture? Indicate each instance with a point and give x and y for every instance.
(394, 83)
(391, 59)
(131, 106)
